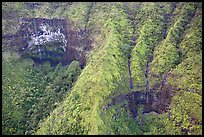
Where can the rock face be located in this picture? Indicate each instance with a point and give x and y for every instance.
(50, 40)
(39, 31)
(46, 37)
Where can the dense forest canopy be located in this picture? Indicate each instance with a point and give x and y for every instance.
(102, 68)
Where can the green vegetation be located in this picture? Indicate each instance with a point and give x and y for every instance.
(186, 112)
(31, 92)
(150, 34)
(101, 74)
(11, 15)
(189, 71)
(65, 99)
(186, 107)
(166, 54)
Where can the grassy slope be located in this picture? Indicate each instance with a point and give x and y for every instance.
(185, 110)
(150, 34)
(166, 54)
(80, 112)
(186, 106)
(96, 83)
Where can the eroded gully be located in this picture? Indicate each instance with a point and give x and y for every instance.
(135, 98)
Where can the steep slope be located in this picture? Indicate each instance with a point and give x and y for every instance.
(143, 68)
(79, 113)
(150, 35)
(186, 107)
(141, 71)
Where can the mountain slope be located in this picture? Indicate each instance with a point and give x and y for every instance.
(85, 101)
(142, 73)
